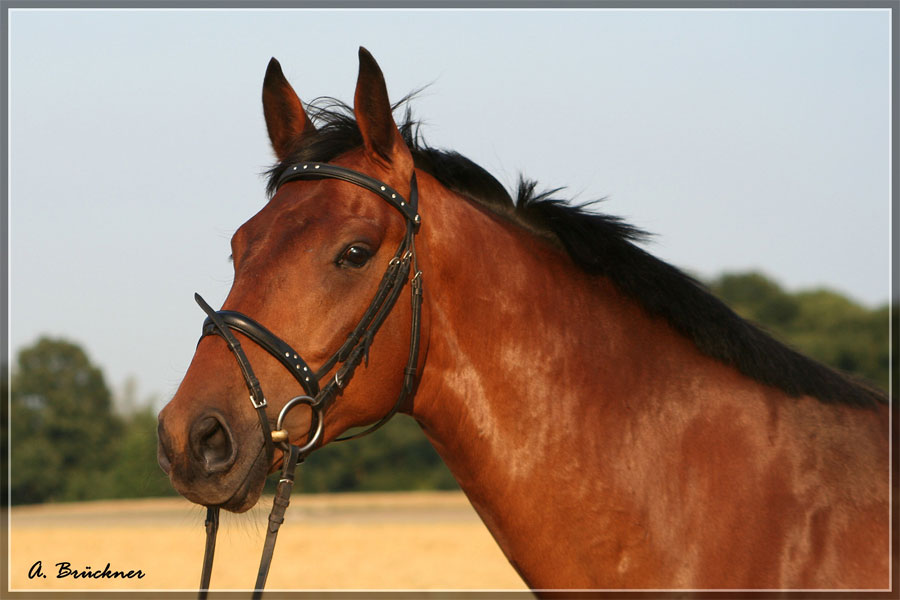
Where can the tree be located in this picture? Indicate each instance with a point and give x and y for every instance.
(759, 299)
(396, 457)
(820, 323)
(135, 472)
(62, 428)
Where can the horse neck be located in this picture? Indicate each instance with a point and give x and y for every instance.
(529, 359)
(550, 394)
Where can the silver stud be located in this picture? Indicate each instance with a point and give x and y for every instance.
(316, 167)
(382, 188)
(393, 196)
(306, 368)
(402, 204)
(287, 354)
(418, 219)
(304, 166)
(295, 168)
(307, 378)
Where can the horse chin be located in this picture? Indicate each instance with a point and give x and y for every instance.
(245, 497)
(247, 493)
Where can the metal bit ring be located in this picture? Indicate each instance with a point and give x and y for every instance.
(317, 416)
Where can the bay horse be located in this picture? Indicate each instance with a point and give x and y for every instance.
(614, 425)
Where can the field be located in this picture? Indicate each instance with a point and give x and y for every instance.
(428, 541)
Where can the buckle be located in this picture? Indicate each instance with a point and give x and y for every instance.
(255, 405)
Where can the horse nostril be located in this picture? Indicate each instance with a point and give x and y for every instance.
(213, 444)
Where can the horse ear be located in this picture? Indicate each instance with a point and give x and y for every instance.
(285, 118)
(372, 109)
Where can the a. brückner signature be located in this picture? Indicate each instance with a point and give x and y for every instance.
(64, 569)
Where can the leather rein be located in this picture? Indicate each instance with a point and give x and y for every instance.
(318, 395)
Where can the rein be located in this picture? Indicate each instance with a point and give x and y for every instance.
(318, 395)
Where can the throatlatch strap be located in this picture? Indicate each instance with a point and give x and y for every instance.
(409, 379)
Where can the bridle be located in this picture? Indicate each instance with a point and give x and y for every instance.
(318, 396)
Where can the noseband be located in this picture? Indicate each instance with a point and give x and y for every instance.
(320, 389)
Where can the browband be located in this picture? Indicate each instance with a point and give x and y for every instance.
(315, 170)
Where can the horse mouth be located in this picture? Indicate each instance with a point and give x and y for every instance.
(244, 495)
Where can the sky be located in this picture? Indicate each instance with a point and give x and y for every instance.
(743, 139)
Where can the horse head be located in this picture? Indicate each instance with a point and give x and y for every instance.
(321, 266)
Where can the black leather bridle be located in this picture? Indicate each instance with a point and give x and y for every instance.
(318, 395)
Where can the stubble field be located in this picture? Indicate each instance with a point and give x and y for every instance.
(422, 541)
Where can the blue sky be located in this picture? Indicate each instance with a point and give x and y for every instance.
(744, 139)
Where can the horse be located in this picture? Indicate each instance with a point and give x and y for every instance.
(614, 425)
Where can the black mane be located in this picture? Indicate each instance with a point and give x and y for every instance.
(601, 245)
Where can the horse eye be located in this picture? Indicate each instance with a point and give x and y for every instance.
(355, 256)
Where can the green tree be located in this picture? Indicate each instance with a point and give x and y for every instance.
(820, 323)
(396, 457)
(843, 334)
(758, 298)
(134, 472)
(61, 427)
